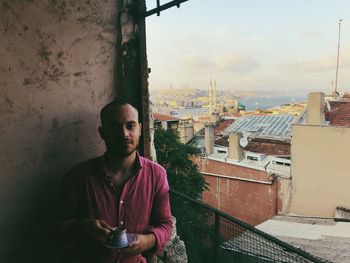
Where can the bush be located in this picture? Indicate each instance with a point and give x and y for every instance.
(183, 176)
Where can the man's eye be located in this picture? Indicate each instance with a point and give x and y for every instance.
(130, 126)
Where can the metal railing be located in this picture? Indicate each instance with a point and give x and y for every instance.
(213, 236)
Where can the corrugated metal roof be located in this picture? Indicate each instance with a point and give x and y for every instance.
(263, 126)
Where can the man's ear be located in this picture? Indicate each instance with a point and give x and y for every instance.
(100, 131)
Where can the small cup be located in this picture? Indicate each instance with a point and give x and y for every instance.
(118, 238)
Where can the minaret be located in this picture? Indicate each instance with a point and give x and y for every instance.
(214, 96)
(210, 99)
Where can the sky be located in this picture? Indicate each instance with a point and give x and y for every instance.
(263, 45)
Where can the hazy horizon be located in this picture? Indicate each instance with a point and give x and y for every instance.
(270, 92)
(270, 45)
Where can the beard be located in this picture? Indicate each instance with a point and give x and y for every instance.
(123, 149)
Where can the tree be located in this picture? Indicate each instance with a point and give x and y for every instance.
(184, 176)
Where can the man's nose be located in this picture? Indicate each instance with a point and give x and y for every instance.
(125, 132)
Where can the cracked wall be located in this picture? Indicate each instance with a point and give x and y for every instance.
(56, 72)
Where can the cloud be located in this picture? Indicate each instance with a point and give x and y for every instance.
(224, 62)
(318, 64)
(236, 63)
(306, 34)
(196, 61)
(309, 66)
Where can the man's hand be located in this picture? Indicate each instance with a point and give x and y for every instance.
(141, 244)
(95, 229)
(75, 230)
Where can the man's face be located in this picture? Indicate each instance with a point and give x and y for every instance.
(121, 130)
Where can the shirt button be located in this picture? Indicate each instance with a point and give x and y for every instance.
(121, 202)
(122, 222)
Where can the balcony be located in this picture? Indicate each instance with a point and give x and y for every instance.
(213, 236)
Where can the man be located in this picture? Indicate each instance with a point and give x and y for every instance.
(118, 188)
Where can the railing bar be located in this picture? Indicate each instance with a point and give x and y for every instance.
(160, 8)
(217, 235)
(158, 11)
(284, 245)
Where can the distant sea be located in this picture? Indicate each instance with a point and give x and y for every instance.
(251, 103)
(269, 102)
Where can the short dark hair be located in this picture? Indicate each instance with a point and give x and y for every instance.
(116, 103)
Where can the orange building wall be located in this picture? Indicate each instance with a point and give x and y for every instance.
(250, 202)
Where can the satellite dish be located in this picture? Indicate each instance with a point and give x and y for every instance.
(243, 142)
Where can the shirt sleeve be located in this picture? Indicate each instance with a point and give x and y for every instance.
(161, 219)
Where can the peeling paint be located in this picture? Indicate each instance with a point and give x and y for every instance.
(7, 106)
(56, 72)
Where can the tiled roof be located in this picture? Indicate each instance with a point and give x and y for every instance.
(339, 114)
(222, 125)
(264, 146)
(218, 129)
(236, 115)
(346, 96)
(203, 118)
(223, 141)
(269, 147)
(162, 117)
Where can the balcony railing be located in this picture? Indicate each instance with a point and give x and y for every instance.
(213, 236)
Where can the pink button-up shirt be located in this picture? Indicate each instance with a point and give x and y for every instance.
(142, 205)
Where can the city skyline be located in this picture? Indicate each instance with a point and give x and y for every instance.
(269, 45)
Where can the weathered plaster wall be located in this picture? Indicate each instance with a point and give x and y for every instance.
(251, 202)
(320, 170)
(56, 71)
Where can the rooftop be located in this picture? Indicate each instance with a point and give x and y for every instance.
(275, 126)
(162, 117)
(269, 147)
(321, 237)
(261, 145)
(338, 113)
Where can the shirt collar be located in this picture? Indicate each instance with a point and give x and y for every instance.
(139, 162)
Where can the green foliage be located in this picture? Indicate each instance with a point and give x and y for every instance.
(183, 174)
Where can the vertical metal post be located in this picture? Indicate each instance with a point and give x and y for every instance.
(158, 4)
(336, 74)
(217, 237)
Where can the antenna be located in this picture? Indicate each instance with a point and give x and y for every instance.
(243, 142)
(336, 72)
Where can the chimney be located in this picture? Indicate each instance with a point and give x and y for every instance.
(164, 125)
(209, 138)
(235, 151)
(185, 130)
(315, 108)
